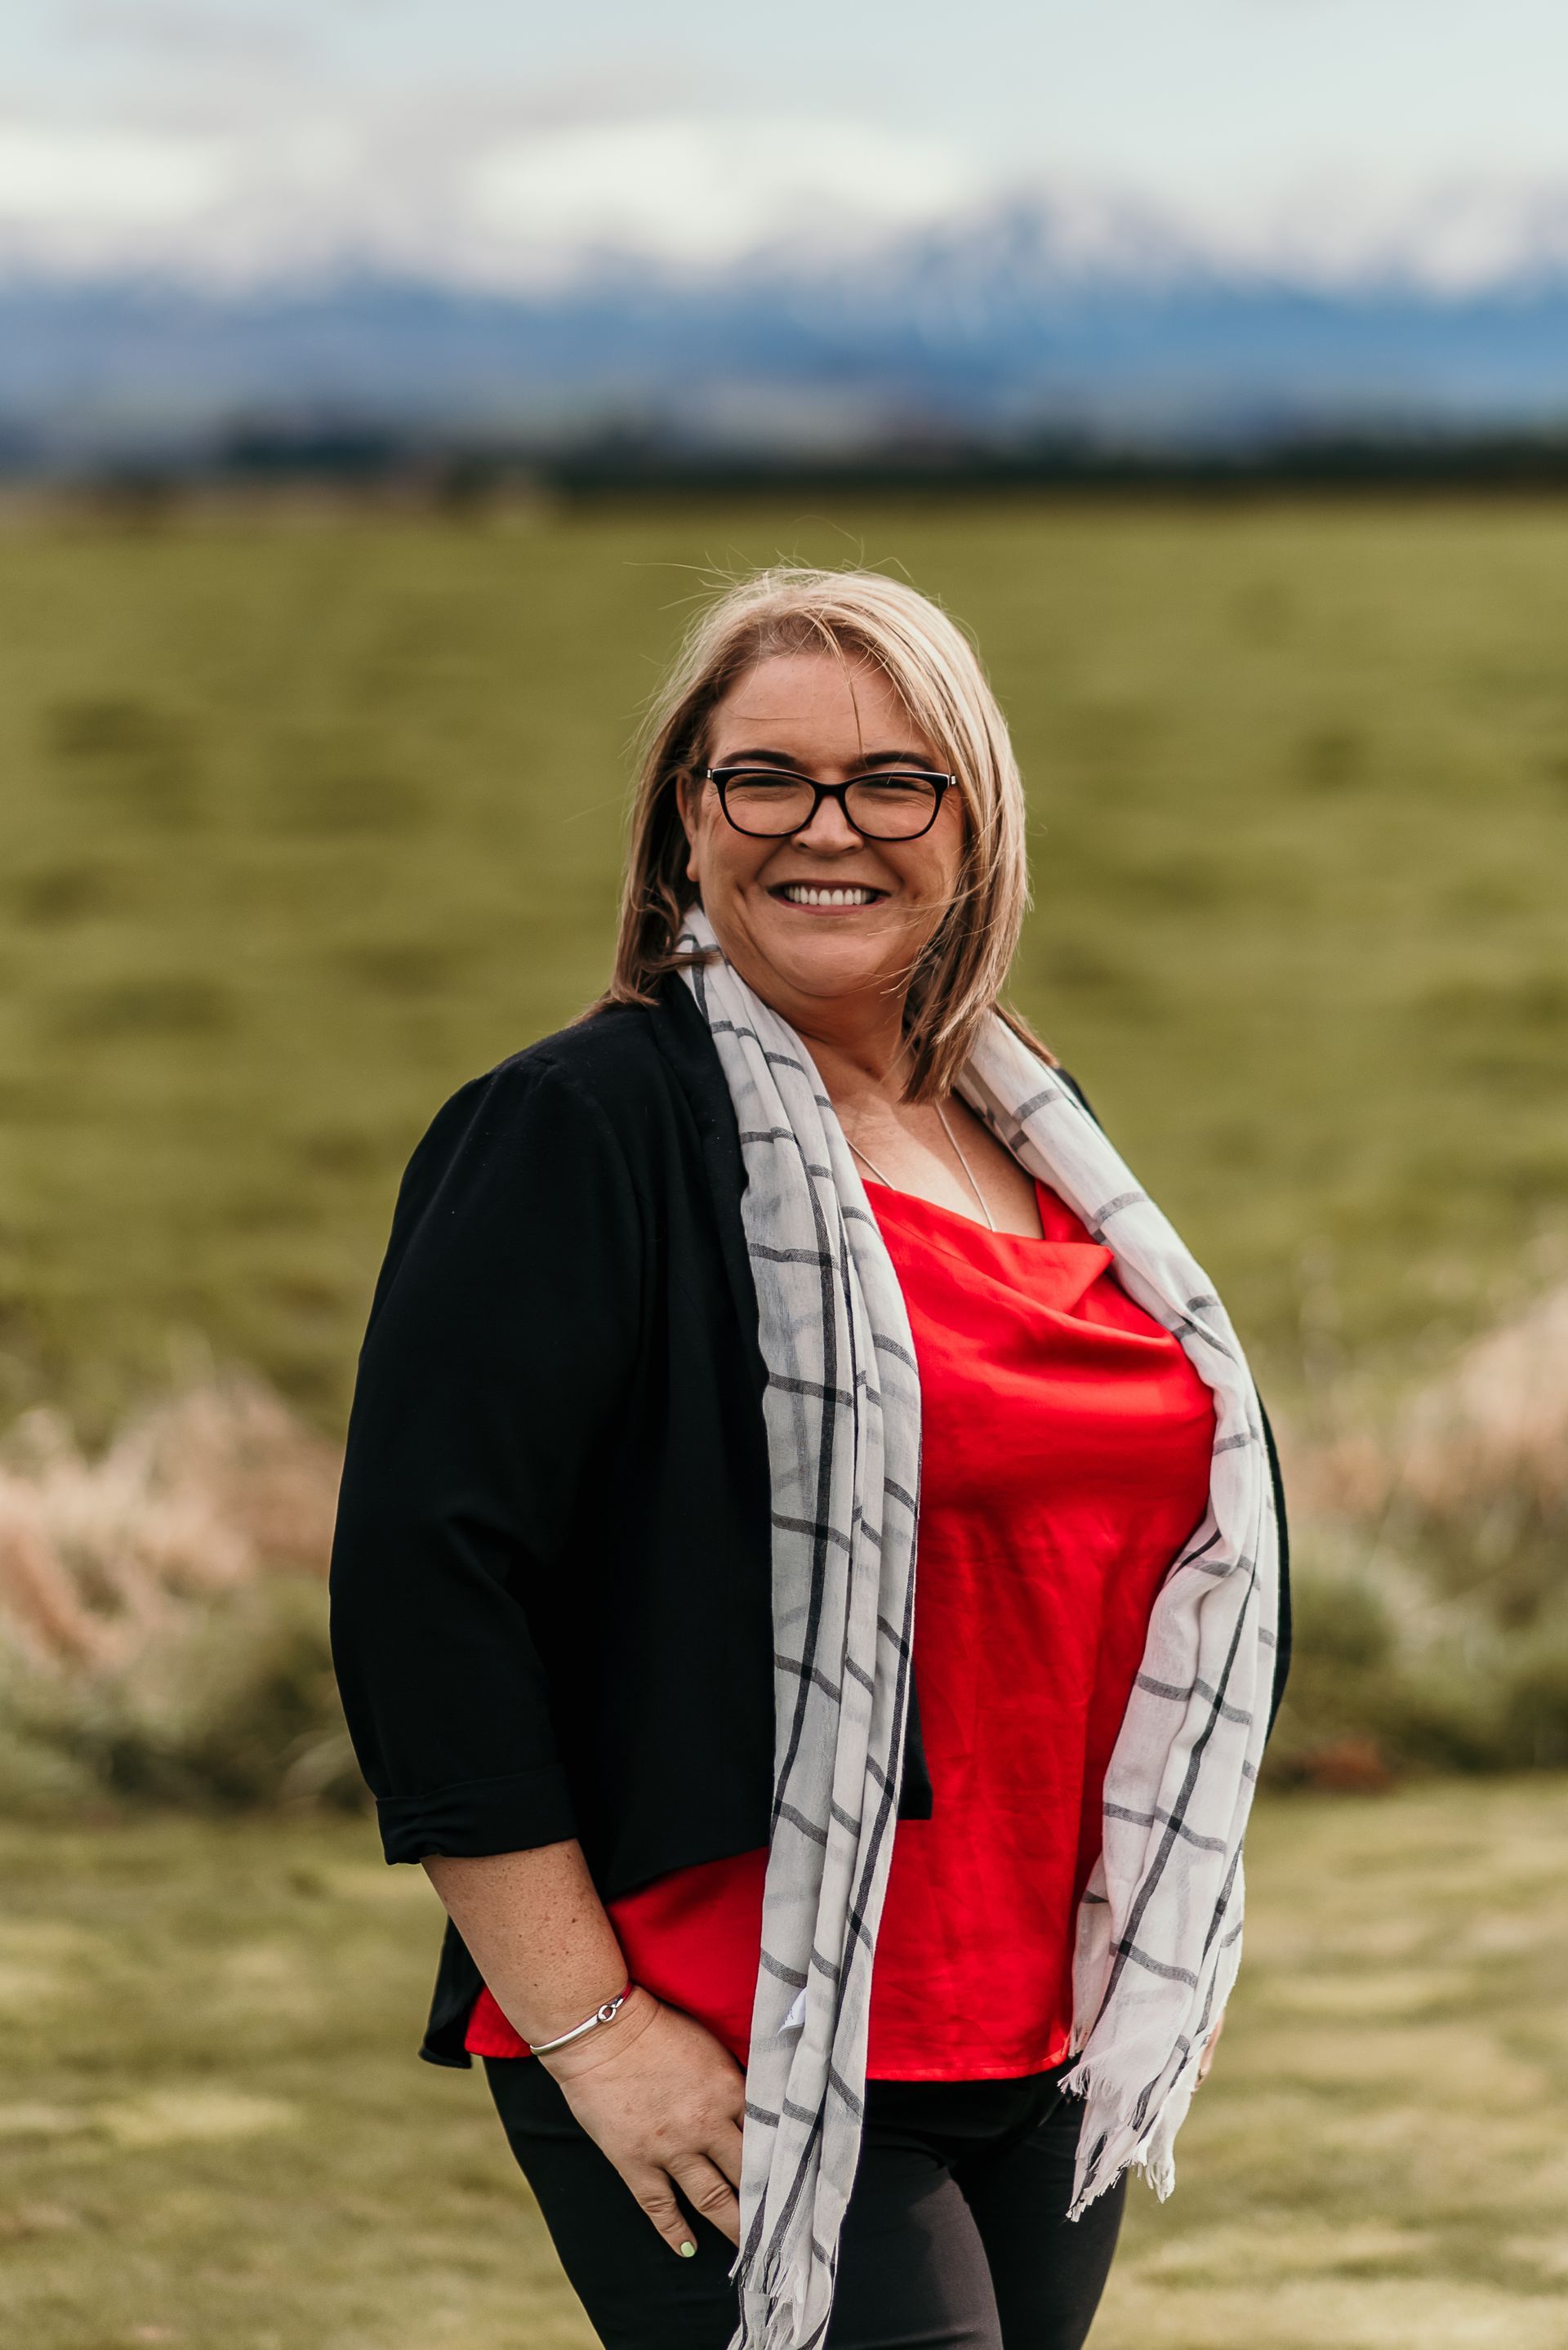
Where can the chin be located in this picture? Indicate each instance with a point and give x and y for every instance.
(827, 957)
(834, 966)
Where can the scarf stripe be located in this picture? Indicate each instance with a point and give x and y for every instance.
(1158, 1930)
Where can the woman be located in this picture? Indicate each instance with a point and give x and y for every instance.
(874, 1939)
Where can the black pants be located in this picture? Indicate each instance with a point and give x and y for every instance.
(955, 2238)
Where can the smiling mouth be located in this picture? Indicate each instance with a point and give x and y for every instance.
(813, 893)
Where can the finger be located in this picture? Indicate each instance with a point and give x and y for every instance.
(724, 2148)
(655, 2194)
(708, 2191)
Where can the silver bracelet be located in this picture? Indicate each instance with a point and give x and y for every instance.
(605, 2015)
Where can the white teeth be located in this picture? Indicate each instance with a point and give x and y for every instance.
(802, 893)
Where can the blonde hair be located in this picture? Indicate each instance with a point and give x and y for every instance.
(932, 667)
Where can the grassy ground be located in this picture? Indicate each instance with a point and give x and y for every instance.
(214, 2134)
(302, 826)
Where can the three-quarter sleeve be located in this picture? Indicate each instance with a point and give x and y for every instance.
(502, 1339)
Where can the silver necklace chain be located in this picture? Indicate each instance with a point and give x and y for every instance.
(958, 1154)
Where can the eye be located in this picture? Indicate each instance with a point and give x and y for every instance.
(893, 806)
(760, 801)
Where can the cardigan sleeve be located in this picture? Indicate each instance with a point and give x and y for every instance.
(501, 1336)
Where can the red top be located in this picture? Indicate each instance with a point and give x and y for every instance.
(1065, 1461)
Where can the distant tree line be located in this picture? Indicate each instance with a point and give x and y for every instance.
(353, 458)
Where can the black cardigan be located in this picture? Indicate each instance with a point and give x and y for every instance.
(550, 1582)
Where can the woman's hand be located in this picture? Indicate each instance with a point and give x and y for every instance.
(664, 2100)
(1206, 2061)
(659, 2094)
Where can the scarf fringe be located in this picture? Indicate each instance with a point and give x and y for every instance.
(774, 2307)
(1123, 2142)
(1159, 2174)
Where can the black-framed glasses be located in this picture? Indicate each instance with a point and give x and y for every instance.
(770, 803)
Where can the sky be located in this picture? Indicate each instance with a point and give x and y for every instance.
(505, 142)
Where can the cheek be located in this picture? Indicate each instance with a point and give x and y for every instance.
(719, 853)
(933, 865)
(933, 874)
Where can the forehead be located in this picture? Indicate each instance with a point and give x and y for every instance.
(816, 693)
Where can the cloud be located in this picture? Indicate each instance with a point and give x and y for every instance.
(67, 179)
(475, 188)
(438, 193)
(707, 193)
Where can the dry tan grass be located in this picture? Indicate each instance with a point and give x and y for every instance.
(1431, 1567)
(1498, 1420)
(199, 1494)
(154, 1630)
(1491, 1426)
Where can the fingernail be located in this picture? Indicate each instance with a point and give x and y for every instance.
(687, 2251)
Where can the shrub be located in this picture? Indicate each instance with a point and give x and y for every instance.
(232, 1704)
(166, 1610)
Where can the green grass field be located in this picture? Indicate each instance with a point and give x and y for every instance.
(304, 821)
(301, 825)
(213, 2134)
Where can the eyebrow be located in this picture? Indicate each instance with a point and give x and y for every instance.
(763, 758)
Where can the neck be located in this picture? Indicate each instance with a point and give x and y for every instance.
(856, 1059)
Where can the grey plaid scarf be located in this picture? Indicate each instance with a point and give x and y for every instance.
(1158, 1932)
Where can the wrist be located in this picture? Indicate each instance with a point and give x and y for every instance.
(548, 2043)
(632, 2018)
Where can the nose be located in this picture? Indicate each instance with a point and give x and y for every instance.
(829, 833)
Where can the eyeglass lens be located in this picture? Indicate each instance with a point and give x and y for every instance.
(883, 807)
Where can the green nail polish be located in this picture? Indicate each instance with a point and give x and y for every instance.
(688, 2251)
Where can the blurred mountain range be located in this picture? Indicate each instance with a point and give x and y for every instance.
(987, 333)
